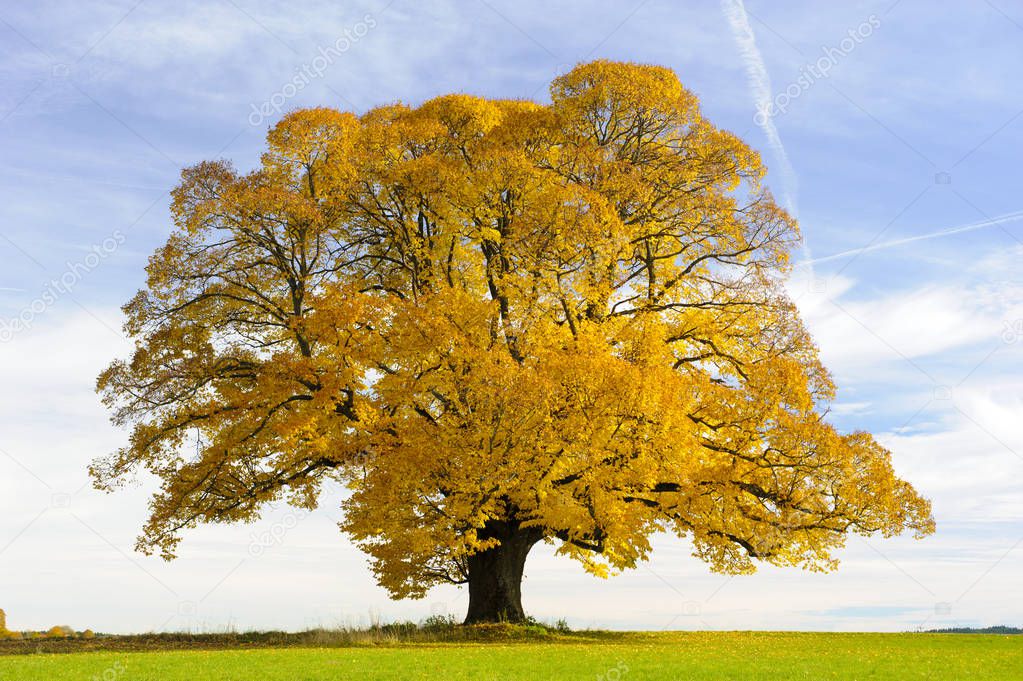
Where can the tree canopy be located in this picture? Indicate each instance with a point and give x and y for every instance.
(496, 322)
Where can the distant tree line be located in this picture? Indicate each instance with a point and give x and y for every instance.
(974, 630)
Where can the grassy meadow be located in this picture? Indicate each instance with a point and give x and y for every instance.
(599, 656)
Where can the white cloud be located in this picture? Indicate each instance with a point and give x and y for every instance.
(858, 330)
(970, 471)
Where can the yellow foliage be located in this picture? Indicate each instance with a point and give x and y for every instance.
(566, 319)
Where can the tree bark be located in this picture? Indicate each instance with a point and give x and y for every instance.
(495, 575)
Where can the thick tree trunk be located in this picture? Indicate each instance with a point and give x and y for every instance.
(495, 576)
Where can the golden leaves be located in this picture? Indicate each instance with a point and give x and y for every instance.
(474, 311)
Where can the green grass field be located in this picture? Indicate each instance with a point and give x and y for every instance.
(738, 656)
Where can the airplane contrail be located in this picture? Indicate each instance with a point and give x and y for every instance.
(1000, 220)
(760, 85)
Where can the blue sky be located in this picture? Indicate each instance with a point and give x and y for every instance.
(916, 129)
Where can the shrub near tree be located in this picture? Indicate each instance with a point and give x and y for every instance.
(498, 323)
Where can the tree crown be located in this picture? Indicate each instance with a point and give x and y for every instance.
(567, 317)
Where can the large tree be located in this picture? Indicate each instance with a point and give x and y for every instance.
(497, 323)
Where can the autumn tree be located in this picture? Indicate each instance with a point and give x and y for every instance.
(497, 323)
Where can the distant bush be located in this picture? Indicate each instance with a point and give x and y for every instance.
(60, 632)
